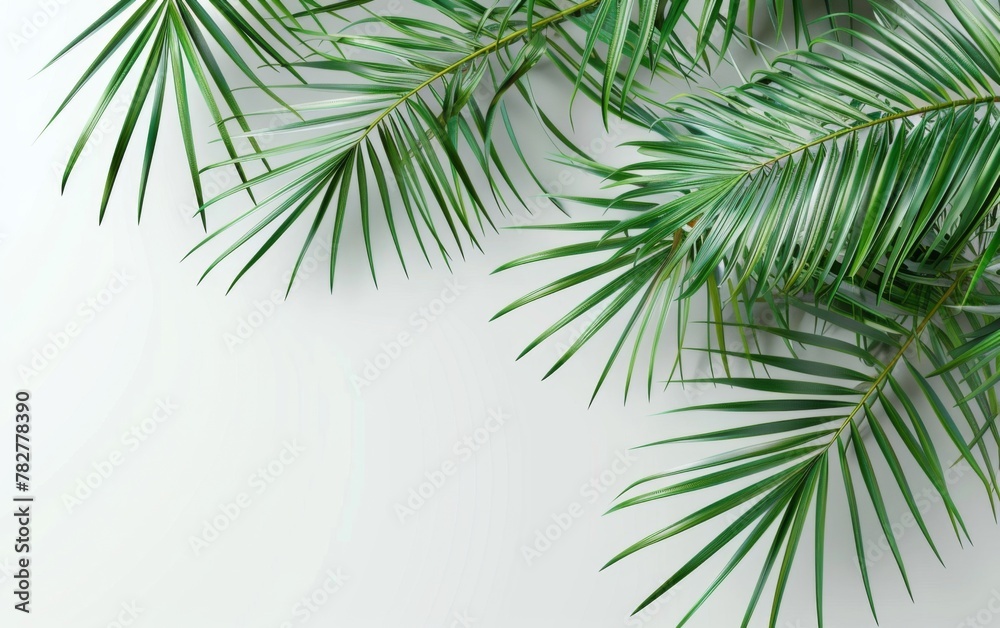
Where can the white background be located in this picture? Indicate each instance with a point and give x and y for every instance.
(457, 560)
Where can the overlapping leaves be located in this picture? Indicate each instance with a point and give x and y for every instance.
(830, 414)
(408, 122)
(866, 178)
(405, 132)
(177, 41)
(840, 171)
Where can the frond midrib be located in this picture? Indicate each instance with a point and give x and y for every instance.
(493, 46)
(950, 104)
(891, 364)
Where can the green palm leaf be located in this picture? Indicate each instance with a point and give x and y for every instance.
(782, 476)
(855, 187)
(184, 39)
(840, 172)
(624, 35)
(403, 124)
(419, 101)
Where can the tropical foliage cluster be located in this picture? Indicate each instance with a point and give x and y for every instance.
(832, 218)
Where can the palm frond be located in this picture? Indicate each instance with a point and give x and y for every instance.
(179, 40)
(976, 353)
(820, 402)
(424, 91)
(838, 172)
(854, 187)
(407, 123)
(622, 36)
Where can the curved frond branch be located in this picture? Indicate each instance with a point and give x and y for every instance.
(179, 39)
(406, 129)
(489, 48)
(785, 478)
(838, 172)
(886, 119)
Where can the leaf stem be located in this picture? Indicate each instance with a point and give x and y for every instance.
(896, 358)
(491, 47)
(889, 118)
